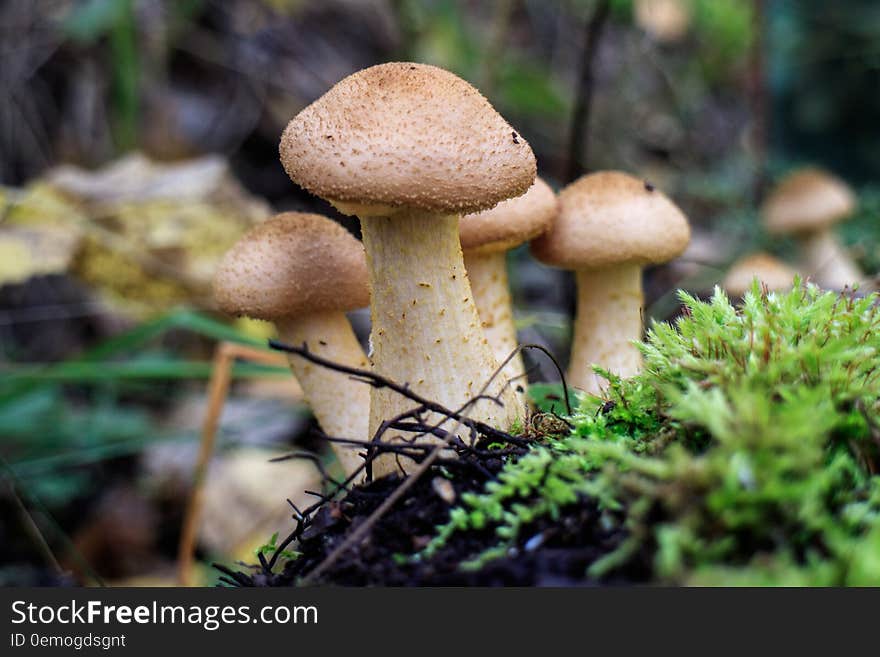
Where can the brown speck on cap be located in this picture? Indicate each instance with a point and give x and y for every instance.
(413, 137)
(292, 264)
(511, 222)
(807, 200)
(609, 218)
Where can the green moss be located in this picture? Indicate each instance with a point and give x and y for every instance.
(746, 452)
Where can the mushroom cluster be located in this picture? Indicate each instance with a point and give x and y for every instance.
(408, 148)
(443, 187)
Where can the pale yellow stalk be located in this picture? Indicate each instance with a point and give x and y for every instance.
(340, 404)
(426, 331)
(487, 273)
(609, 319)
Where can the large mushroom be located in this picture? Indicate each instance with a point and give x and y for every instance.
(610, 225)
(486, 237)
(408, 148)
(771, 272)
(807, 204)
(303, 272)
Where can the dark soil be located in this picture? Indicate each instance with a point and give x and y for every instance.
(550, 553)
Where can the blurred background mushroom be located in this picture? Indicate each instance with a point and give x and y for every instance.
(770, 272)
(807, 203)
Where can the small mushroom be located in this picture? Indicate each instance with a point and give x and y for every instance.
(485, 239)
(610, 225)
(303, 272)
(408, 148)
(770, 272)
(667, 21)
(807, 204)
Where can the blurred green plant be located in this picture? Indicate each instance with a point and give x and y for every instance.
(861, 233)
(114, 20)
(47, 435)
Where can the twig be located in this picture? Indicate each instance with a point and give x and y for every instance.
(34, 501)
(758, 98)
(556, 364)
(379, 381)
(580, 118)
(411, 450)
(366, 526)
(493, 53)
(33, 531)
(218, 388)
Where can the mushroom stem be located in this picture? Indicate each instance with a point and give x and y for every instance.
(828, 262)
(487, 273)
(609, 318)
(340, 404)
(426, 332)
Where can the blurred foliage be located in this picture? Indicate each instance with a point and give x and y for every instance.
(861, 233)
(49, 435)
(114, 19)
(146, 236)
(825, 73)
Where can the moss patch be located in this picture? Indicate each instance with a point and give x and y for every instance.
(746, 452)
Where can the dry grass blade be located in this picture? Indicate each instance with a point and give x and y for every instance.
(218, 388)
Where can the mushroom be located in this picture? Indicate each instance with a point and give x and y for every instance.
(303, 272)
(667, 21)
(408, 148)
(806, 204)
(485, 239)
(771, 272)
(610, 225)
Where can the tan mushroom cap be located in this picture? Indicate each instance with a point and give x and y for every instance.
(807, 200)
(770, 271)
(511, 222)
(290, 265)
(611, 218)
(407, 136)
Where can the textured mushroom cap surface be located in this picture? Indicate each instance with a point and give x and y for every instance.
(511, 222)
(611, 218)
(408, 136)
(770, 271)
(291, 265)
(807, 200)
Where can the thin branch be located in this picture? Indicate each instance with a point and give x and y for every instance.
(366, 526)
(33, 531)
(758, 98)
(580, 118)
(425, 455)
